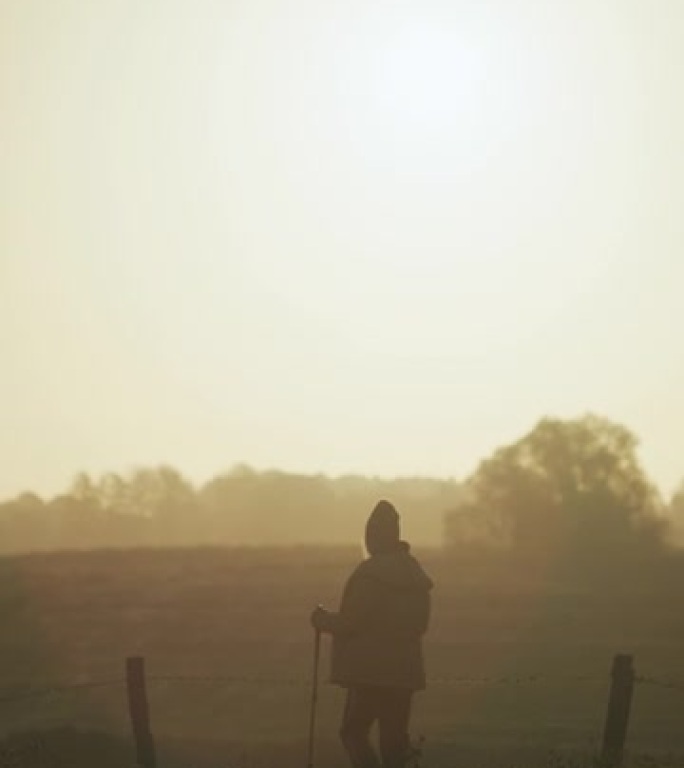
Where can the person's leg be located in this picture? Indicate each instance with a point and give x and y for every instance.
(393, 721)
(360, 713)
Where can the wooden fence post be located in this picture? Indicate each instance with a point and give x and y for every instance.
(139, 712)
(617, 717)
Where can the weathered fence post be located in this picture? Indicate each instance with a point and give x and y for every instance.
(140, 713)
(617, 717)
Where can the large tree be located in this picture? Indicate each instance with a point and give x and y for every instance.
(676, 511)
(575, 483)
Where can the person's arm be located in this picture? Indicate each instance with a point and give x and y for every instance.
(356, 607)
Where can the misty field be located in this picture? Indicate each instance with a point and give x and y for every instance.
(518, 655)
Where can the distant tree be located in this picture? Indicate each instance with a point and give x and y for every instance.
(76, 522)
(113, 493)
(83, 488)
(270, 507)
(158, 507)
(168, 500)
(676, 513)
(24, 524)
(575, 483)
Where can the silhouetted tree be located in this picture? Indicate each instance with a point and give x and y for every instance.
(676, 511)
(24, 524)
(576, 484)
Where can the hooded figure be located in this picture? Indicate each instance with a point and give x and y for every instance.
(377, 642)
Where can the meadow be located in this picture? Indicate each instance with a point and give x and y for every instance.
(519, 654)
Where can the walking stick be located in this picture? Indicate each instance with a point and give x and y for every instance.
(314, 698)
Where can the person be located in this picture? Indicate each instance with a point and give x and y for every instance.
(377, 643)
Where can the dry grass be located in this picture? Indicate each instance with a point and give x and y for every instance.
(217, 613)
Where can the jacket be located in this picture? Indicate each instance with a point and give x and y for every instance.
(378, 631)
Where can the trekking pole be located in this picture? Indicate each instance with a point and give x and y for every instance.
(314, 698)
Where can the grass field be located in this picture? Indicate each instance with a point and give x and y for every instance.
(518, 655)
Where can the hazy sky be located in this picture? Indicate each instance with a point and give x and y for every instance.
(338, 235)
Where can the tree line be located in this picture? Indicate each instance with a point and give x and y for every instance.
(571, 489)
(243, 506)
(568, 485)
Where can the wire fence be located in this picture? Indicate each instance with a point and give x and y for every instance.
(9, 696)
(12, 696)
(670, 685)
(135, 688)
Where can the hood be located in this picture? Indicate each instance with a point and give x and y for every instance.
(382, 528)
(397, 569)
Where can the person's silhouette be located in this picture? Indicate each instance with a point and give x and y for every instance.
(377, 643)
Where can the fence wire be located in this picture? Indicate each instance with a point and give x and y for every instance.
(11, 696)
(670, 685)
(56, 690)
(447, 681)
(8, 697)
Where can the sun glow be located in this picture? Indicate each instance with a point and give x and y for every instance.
(423, 82)
(286, 221)
(425, 78)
